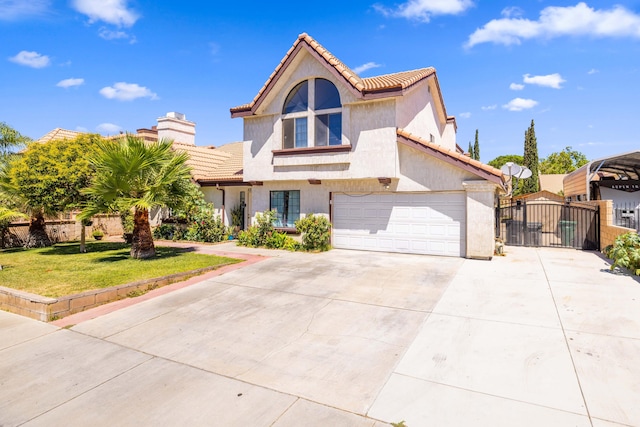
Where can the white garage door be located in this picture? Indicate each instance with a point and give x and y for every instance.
(424, 223)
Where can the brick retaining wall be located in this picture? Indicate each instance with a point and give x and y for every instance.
(46, 309)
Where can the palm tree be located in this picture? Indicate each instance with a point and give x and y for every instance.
(133, 174)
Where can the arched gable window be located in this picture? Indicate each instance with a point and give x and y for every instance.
(312, 115)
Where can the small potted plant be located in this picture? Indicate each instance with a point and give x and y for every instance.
(98, 234)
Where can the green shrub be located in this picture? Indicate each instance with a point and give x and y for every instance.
(164, 231)
(264, 234)
(625, 252)
(247, 237)
(316, 232)
(209, 230)
(257, 235)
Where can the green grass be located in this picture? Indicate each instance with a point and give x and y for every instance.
(63, 270)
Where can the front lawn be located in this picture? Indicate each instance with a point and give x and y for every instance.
(63, 270)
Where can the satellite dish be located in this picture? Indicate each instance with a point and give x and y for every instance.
(510, 169)
(525, 173)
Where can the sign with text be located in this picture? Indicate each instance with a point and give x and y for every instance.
(628, 185)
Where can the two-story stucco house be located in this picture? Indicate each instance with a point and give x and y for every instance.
(377, 155)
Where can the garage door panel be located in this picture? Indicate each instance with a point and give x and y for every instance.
(423, 223)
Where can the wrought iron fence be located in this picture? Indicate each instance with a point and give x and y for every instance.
(549, 224)
(627, 215)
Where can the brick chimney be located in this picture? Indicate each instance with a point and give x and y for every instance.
(176, 126)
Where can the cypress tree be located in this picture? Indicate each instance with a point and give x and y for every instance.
(476, 148)
(530, 185)
(471, 154)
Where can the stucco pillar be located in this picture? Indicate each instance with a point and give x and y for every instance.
(480, 219)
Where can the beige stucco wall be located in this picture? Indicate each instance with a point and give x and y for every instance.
(422, 172)
(369, 126)
(417, 114)
(313, 198)
(231, 200)
(480, 219)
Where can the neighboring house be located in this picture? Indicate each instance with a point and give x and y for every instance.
(59, 133)
(218, 170)
(376, 155)
(543, 196)
(209, 165)
(615, 178)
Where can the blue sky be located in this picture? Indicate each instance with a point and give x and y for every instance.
(110, 65)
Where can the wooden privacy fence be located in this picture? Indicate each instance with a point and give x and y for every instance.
(61, 230)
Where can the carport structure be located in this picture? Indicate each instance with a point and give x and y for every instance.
(621, 170)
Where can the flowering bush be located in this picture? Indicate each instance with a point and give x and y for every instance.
(208, 229)
(316, 232)
(194, 220)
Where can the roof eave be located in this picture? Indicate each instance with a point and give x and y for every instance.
(451, 159)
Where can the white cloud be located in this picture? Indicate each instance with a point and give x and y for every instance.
(365, 67)
(550, 80)
(113, 12)
(11, 10)
(465, 115)
(108, 128)
(31, 59)
(555, 21)
(489, 107)
(82, 129)
(593, 71)
(512, 12)
(516, 86)
(67, 83)
(123, 91)
(108, 34)
(519, 104)
(423, 10)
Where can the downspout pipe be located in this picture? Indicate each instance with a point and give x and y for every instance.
(223, 202)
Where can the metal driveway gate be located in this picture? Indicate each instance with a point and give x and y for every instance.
(548, 224)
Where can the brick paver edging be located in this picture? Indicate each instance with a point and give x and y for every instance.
(46, 309)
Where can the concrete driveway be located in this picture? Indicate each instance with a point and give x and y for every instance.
(345, 338)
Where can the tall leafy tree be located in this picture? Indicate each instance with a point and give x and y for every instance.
(48, 179)
(138, 176)
(531, 185)
(476, 148)
(471, 153)
(500, 161)
(565, 161)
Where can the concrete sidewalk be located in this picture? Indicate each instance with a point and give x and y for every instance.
(539, 337)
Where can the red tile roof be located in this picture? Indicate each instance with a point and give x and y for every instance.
(364, 88)
(214, 164)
